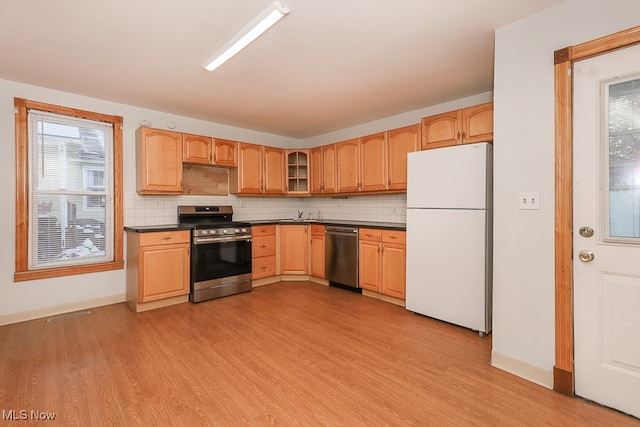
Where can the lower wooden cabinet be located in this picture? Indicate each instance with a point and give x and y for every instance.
(316, 260)
(263, 251)
(382, 255)
(158, 268)
(293, 249)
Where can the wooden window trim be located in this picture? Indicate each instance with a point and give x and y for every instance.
(22, 193)
(563, 370)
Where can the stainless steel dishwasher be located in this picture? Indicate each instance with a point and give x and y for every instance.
(341, 256)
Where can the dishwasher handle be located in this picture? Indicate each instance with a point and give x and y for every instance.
(349, 231)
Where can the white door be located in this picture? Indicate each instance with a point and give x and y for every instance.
(606, 126)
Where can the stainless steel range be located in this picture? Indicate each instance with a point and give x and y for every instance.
(220, 252)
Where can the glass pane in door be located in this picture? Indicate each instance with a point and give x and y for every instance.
(623, 161)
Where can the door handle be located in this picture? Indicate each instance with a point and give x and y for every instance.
(586, 256)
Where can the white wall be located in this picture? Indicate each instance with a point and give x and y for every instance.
(523, 317)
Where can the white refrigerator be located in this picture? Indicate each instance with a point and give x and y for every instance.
(449, 234)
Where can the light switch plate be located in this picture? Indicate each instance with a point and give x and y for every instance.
(530, 200)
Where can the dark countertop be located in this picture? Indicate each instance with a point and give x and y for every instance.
(338, 222)
(154, 228)
(344, 222)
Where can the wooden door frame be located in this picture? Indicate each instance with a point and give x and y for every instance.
(563, 370)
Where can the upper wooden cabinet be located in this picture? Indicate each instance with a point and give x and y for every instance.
(348, 166)
(297, 171)
(260, 170)
(197, 149)
(204, 150)
(225, 152)
(373, 162)
(273, 170)
(400, 142)
(466, 126)
(323, 169)
(159, 161)
(383, 158)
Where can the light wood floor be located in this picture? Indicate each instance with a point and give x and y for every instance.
(293, 353)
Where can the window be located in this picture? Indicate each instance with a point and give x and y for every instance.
(69, 195)
(622, 157)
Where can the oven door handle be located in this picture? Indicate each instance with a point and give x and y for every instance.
(202, 240)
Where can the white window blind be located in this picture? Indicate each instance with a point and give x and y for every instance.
(71, 182)
(623, 125)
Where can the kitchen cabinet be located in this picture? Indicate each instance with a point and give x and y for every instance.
(373, 162)
(197, 149)
(400, 142)
(382, 255)
(158, 268)
(263, 251)
(204, 150)
(293, 249)
(159, 161)
(348, 166)
(260, 170)
(297, 171)
(323, 169)
(465, 126)
(317, 255)
(224, 152)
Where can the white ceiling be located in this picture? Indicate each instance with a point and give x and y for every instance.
(328, 65)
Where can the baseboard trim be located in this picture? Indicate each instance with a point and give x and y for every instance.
(522, 369)
(25, 316)
(382, 297)
(563, 381)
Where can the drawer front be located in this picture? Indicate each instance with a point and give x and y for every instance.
(263, 246)
(263, 230)
(394, 236)
(372, 234)
(164, 237)
(317, 230)
(263, 267)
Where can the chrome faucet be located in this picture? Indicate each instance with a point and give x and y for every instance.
(300, 215)
(319, 214)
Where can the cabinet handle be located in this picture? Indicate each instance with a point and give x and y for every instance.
(262, 246)
(166, 238)
(215, 157)
(368, 234)
(389, 182)
(464, 135)
(393, 237)
(458, 136)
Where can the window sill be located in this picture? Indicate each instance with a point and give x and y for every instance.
(21, 276)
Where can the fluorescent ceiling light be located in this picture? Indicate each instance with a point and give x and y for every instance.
(255, 29)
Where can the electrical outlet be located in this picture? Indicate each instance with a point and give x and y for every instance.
(530, 200)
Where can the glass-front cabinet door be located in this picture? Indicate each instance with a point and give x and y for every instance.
(297, 171)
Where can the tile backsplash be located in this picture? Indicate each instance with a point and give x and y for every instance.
(157, 210)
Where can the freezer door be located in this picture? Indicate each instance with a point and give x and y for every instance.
(450, 177)
(449, 266)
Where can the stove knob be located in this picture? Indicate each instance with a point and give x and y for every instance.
(204, 232)
(237, 230)
(212, 231)
(243, 230)
(224, 231)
